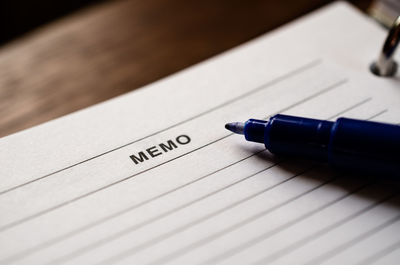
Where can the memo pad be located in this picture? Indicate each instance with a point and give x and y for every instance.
(153, 177)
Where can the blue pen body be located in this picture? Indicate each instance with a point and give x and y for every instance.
(350, 144)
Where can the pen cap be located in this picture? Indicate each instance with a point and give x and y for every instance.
(297, 136)
(370, 147)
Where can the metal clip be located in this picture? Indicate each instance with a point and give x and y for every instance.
(385, 65)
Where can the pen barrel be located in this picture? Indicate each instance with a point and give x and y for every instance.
(356, 145)
(364, 146)
(297, 136)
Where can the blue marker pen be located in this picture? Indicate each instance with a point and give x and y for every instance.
(349, 144)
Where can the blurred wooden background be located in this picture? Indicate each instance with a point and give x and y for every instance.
(116, 46)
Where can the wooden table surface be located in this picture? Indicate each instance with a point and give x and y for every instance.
(117, 46)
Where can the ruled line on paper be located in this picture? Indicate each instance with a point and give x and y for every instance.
(364, 101)
(283, 77)
(124, 232)
(266, 235)
(232, 228)
(380, 254)
(351, 107)
(22, 220)
(121, 212)
(174, 210)
(313, 236)
(280, 228)
(378, 114)
(32, 216)
(186, 249)
(335, 251)
(304, 100)
(65, 236)
(263, 237)
(164, 236)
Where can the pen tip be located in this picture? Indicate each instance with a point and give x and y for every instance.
(236, 127)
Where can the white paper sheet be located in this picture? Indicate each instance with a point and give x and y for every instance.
(70, 193)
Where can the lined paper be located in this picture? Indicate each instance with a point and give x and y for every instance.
(194, 193)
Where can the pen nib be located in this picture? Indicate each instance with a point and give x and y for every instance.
(236, 127)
